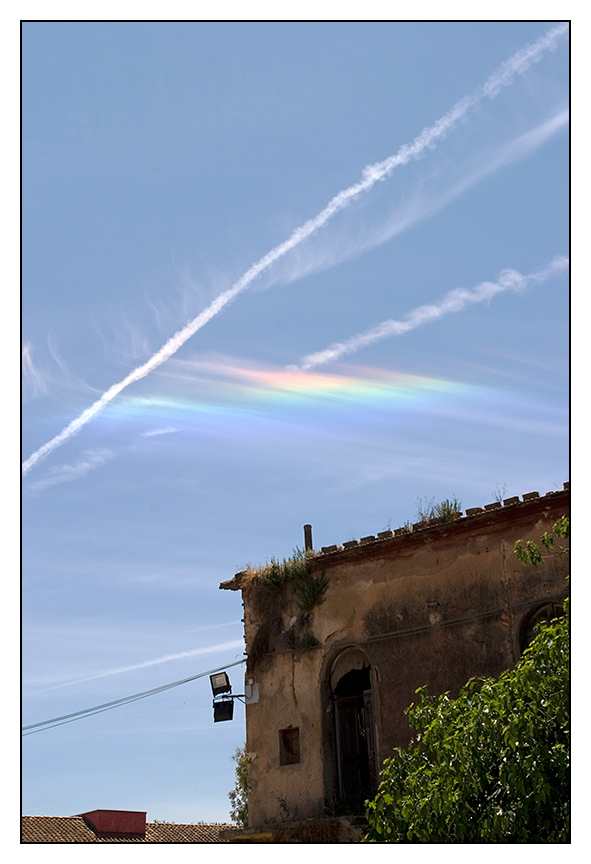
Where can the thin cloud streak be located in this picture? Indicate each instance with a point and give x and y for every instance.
(65, 473)
(454, 301)
(164, 431)
(34, 382)
(167, 658)
(503, 76)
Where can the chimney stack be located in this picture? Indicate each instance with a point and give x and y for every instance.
(308, 538)
(116, 821)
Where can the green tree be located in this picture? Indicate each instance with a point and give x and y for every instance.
(239, 794)
(491, 766)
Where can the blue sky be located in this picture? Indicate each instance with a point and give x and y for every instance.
(161, 162)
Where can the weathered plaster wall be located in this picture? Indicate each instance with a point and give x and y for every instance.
(288, 697)
(434, 607)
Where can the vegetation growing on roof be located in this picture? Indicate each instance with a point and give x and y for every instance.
(297, 572)
(499, 492)
(289, 570)
(446, 510)
(272, 588)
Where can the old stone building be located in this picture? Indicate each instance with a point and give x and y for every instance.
(337, 650)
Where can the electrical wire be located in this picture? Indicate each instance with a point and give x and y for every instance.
(107, 706)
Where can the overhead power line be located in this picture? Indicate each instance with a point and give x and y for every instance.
(107, 706)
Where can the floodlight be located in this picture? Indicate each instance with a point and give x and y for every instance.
(220, 683)
(223, 710)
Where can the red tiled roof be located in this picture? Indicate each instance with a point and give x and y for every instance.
(73, 829)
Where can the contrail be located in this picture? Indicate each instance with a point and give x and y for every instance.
(503, 76)
(117, 670)
(454, 301)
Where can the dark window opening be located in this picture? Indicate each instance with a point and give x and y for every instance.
(289, 746)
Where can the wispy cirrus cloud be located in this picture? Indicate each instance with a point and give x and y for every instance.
(151, 433)
(34, 380)
(89, 460)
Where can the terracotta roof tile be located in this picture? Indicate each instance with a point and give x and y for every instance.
(168, 832)
(56, 829)
(73, 829)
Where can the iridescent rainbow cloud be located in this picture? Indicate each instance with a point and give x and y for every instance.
(226, 391)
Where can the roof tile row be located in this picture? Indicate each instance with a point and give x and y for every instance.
(73, 829)
(428, 523)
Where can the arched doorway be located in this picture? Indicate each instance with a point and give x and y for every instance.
(354, 730)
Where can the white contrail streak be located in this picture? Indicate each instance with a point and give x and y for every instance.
(117, 670)
(454, 301)
(503, 76)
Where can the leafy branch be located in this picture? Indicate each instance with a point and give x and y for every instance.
(530, 552)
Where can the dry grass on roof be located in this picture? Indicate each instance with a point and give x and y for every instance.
(276, 573)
